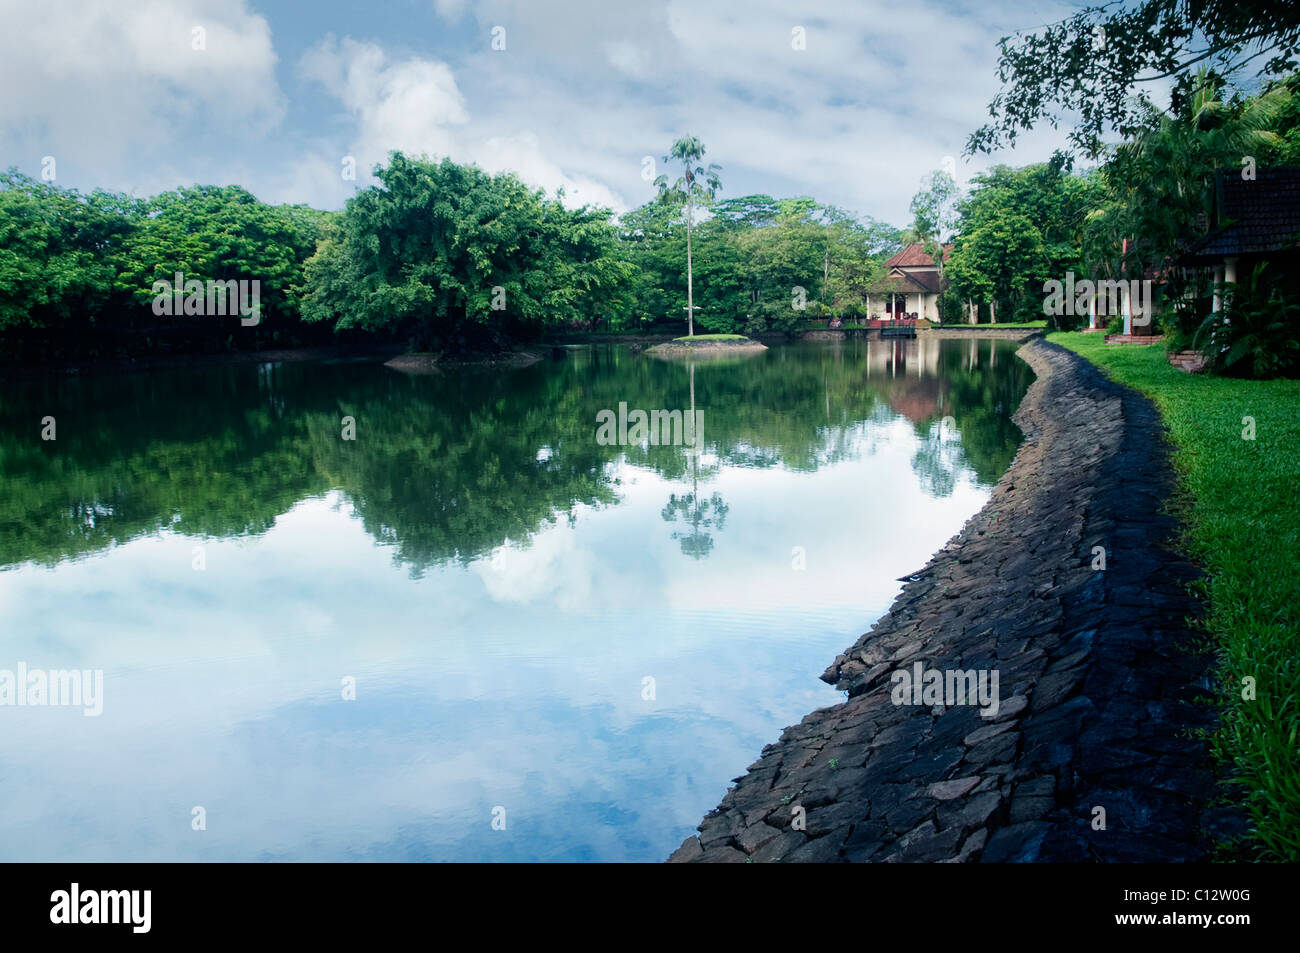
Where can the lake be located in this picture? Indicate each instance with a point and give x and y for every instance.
(473, 630)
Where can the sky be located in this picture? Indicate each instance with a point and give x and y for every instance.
(285, 98)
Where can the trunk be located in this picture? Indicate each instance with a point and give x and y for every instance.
(826, 275)
(690, 290)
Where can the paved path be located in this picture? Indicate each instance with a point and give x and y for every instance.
(1098, 686)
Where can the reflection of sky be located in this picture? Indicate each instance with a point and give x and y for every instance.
(516, 681)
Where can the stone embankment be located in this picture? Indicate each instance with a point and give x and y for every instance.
(980, 330)
(1092, 752)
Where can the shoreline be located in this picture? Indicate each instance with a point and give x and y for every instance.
(170, 362)
(424, 362)
(1100, 685)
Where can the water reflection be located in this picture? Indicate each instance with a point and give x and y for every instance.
(498, 583)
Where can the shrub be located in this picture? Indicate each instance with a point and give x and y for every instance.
(1257, 334)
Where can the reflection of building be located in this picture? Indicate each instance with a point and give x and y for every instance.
(911, 287)
(892, 357)
(917, 399)
(907, 374)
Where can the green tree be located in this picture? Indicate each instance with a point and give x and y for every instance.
(1041, 213)
(698, 184)
(1160, 183)
(219, 233)
(56, 271)
(447, 255)
(1089, 65)
(934, 208)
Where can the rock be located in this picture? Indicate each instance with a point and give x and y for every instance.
(1010, 708)
(689, 850)
(975, 811)
(722, 855)
(755, 836)
(947, 790)
(985, 733)
(1016, 843)
(1030, 808)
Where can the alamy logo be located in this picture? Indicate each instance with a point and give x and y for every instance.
(75, 905)
(190, 296)
(666, 428)
(56, 687)
(1077, 298)
(947, 687)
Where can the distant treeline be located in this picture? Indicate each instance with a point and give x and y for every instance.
(437, 255)
(446, 257)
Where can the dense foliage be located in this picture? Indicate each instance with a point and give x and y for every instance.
(446, 255)
(77, 272)
(1131, 218)
(435, 256)
(1017, 229)
(760, 264)
(1087, 68)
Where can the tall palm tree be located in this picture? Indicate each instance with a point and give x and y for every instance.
(697, 183)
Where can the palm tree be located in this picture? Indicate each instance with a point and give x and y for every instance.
(698, 183)
(1166, 174)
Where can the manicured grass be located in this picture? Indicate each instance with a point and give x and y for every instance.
(1244, 528)
(690, 339)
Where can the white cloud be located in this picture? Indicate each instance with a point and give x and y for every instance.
(103, 85)
(451, 10)
(627, 58)
(414, 105)
(875, 100)
(407, 105)
(586, 89)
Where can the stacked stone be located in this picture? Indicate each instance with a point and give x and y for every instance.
(1100, 689)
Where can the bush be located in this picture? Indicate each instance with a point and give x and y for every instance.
(706, 323)
(1257, 334)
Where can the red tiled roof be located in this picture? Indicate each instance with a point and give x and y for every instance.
(906, 284)
(914, 256)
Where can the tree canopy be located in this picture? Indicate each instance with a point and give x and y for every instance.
(1090, 65)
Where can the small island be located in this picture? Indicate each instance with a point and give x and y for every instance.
(698, 345)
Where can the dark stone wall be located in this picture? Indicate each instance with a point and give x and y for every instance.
(1099, 685)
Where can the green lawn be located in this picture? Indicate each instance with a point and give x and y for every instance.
(1244, 528)
(691, 339)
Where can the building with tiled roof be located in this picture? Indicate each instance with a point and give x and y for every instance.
(911, 285)
(1254, 220)
(914, 256)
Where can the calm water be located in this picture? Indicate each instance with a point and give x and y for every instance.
(499, 587)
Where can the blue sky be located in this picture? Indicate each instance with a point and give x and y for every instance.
(282, 92)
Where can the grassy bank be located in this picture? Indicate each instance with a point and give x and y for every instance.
(1243, 527)
(691, 339)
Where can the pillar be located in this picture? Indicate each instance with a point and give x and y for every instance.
(1230, 270)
